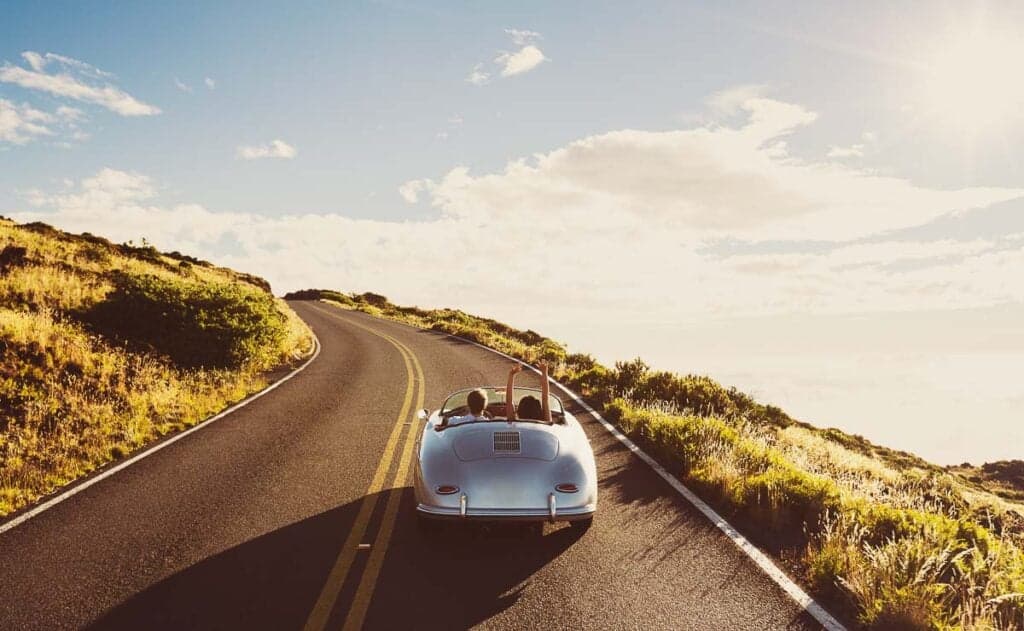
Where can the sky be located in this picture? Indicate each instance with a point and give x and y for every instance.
(820, 203)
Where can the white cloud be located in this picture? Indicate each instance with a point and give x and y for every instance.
(730, 102)
(38, 62)
(181, 85)
(511, 63)
(607, 218)
(853, 151)
(524, 60)
(522, 38)
(706, 182)
(410, 191)
(70, 114)
(879, 276)
(70, 82)
(35, 60)
(21, 123)
(273, 149)
(478, 76)
(210, 83)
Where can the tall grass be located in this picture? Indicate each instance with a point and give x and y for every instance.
(898, 550)
(74, 395)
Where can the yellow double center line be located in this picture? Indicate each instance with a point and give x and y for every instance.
(321, 613)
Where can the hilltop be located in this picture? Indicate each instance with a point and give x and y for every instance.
(107, 347)
(885, 537)
(1004, 478)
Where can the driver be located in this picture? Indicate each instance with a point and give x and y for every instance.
(477, 402)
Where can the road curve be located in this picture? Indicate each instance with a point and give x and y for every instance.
(256, 521)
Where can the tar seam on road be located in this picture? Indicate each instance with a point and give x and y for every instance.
(794, 591)
(74, 490)
(321, 613)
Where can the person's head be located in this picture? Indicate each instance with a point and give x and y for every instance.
(530, 408)
(477, 401)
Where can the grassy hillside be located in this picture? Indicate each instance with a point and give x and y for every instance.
(106, 347)
(1005, 478)
(883, 536)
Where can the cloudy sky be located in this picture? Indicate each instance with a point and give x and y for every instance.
(821, 203)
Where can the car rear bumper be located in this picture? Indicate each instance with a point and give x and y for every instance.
(504, 514)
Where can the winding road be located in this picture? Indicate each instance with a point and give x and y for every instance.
(295, 512)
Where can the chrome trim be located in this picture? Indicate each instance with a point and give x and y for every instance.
(462, 505)
(506, 514)
(552, 511)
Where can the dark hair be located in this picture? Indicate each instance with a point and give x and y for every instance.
(477, 401)
(530, 408)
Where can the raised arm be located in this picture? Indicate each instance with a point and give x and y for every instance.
(510, 406)
(545, 392)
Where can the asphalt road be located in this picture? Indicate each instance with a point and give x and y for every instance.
(249, 523)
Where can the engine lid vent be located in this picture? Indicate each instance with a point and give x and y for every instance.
(506, 442)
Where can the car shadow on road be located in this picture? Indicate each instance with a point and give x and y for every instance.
(452, 579)
(463, 575)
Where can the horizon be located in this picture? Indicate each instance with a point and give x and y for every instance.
(823, 206)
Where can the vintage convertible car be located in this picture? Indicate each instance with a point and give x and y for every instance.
(499, 470)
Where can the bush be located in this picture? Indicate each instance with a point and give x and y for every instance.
(144, 252)
(580, 361)
(371, 298)
(12, 256)
(195, 324)
(629, 376)
(594, 382)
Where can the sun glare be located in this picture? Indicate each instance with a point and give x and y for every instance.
(973, 84)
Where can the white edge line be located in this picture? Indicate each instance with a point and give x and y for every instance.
(794, 591)
(78, 488)
(768, 566)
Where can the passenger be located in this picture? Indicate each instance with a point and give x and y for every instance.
(477, 402)
(529, 407)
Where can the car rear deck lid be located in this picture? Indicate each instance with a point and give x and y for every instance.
(488, 441)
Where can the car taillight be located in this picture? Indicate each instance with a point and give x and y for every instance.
(566, 488)
(447, 489)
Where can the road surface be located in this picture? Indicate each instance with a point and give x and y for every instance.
(261, 520)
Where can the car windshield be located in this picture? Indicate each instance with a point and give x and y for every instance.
(456, 404)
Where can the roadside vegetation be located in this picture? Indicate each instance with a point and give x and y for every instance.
(887, 539)
(106, 347)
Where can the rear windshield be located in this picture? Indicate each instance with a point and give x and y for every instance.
(456, 404)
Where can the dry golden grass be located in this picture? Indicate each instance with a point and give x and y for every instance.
(900, 549)
(70, 402)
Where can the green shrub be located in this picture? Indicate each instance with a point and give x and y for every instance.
(594, 382)
(12, 256)
(629, 376)
(371, 298)
(195, 324)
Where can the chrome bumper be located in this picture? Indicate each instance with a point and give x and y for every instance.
(467, 512)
